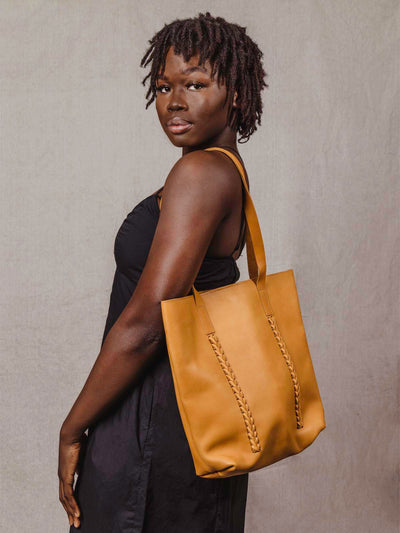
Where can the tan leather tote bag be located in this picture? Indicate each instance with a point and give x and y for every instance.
(243, 377)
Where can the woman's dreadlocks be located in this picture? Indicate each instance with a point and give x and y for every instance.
(233, 56)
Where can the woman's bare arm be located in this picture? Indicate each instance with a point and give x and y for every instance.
(197, 195)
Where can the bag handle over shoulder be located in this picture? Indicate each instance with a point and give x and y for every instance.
(255, 252)
(256, 261)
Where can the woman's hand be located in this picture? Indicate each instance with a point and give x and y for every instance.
(71, 451)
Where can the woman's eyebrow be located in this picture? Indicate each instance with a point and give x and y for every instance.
(188, 70)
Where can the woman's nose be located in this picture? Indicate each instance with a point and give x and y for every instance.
(176, 101)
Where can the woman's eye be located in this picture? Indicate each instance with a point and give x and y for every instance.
(197, 85)
(161, 87)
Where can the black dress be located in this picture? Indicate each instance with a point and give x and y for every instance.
(137, 473)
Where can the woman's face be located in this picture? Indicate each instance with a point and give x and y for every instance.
(194, 102)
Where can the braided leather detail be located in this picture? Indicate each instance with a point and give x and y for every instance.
(290, 365)
(239, 395)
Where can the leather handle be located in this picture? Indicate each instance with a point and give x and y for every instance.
(256, 262)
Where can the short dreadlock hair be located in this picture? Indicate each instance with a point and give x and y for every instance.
(235, 58)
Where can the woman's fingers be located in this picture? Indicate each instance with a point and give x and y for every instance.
(72, 506)
(69, 453)
(64, 504)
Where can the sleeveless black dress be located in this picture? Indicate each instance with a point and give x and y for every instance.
(137, 474)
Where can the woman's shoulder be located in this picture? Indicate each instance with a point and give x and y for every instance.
(211, 168)
(203, 160)
(215, 161)
(210, 172)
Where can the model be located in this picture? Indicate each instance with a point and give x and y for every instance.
(135, 470)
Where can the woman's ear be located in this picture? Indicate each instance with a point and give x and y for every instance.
(235, 98)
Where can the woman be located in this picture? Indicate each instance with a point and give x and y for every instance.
(135, 470)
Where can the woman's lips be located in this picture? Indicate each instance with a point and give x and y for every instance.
(179, 128)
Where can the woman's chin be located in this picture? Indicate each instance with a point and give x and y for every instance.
(180, 142)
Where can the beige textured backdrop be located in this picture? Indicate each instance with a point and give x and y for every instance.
(78, 152)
